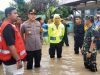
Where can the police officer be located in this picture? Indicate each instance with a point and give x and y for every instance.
(78, 34)
(32, 30)
(56, 33)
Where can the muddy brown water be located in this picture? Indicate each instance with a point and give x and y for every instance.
(70, 64)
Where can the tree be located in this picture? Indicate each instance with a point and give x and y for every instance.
(51, 7)
(47, 7)
(63, 10)
(50, 11)
(41, 6)
(21, 7)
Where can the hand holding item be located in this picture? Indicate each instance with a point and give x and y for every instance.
(81, 50)
(88, 55)
(19, 64)
(41, 30)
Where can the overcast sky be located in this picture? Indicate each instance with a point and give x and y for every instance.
(4, 4)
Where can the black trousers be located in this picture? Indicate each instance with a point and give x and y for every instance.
(37, 58)
(98, 44)
(0, 62)
(65, 40)
(55, 47)
(77, 44)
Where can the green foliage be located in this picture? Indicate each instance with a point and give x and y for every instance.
(1, 14)
(54, 8)
(21, 7)
(41, 6)
(63, 10)
(47, 7)
(50, 11)
(51, 7)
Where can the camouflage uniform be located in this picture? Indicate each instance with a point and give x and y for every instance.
(89, 63)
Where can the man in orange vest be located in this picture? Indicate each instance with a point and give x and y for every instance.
(12, 49)
(0, 25)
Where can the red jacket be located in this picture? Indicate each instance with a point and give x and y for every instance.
(19, 44)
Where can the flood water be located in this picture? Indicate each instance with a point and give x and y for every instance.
(69, 64)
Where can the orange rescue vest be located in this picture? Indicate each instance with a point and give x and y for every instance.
(19, 44)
